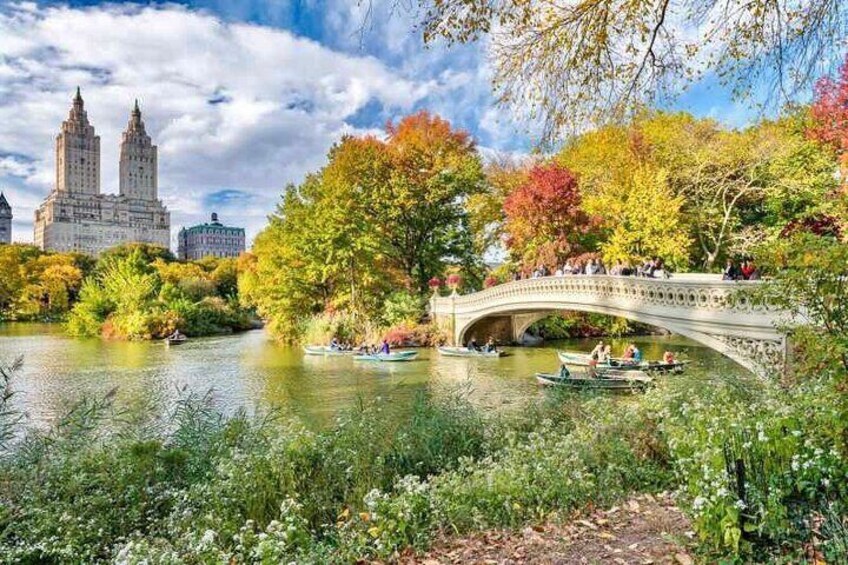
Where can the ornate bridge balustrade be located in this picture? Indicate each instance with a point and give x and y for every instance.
(701, 307)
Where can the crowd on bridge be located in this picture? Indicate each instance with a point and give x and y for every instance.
(654, 267)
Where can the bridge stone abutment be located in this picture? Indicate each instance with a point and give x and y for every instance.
(701, 307)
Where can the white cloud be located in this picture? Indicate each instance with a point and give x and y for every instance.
(283, 100)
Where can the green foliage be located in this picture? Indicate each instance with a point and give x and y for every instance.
(810, 283)
(579, 324)
(402, 308)
(756, 461)
(132, 297)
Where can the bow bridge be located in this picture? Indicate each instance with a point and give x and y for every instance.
(701, 307)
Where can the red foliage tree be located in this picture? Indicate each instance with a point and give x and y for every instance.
(830, 112)
(545, 222)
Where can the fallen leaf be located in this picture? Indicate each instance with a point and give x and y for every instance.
(683, 559)
(588, 524)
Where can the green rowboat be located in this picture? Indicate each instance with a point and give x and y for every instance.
(388, 357)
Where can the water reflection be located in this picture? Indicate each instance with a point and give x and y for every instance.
(248, 370)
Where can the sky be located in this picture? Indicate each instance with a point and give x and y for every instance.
(242, 97)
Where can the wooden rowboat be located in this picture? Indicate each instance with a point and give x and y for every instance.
(589, 383)
(388, 357)
(465, 352)
(585, 360)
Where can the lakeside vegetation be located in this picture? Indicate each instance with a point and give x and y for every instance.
(759, 465)
(134, 291)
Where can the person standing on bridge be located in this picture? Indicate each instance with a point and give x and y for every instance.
(731, 271)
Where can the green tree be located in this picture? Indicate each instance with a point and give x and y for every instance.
(420, 212)
(810, 282)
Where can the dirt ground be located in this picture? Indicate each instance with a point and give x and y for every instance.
(645, 530)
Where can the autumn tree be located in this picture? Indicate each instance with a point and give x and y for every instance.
(420, 212)
(382, 215)
(829, 112)
(545, 221)
(647, 221)
(589, 61)
(486, 208)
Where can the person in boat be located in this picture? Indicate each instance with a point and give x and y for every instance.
(668, 358)
(637, 355)
(472, 344)
(627, 356)
(176, 336)
(564, 373)
(490, 345)
(598, 351)
(385, 349)
(334, 344)
(606, 354)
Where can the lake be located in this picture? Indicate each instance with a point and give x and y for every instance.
(249, 370)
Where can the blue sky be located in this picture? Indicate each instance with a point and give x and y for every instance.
(242, 97)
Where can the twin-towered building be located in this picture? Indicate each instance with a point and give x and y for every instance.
(75, 216)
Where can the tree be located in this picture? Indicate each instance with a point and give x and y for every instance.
(420, 212)
(829, 112)
(810, 282)
(589, 61)
(647, 221)
(380, 216)
(485, 209)
(545, 222)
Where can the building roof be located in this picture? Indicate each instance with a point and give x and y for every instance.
(3, 202)
(204, 227)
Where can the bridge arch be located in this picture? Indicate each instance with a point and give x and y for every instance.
(701, 308)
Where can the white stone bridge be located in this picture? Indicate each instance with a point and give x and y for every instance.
(701, 307)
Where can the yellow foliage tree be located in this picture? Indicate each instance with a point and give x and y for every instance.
(648, 220)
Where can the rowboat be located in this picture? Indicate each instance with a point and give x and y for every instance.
(169, 341)
(326, 350)
(388, 357)
(585, 360)
(589, 383)
(465, 352)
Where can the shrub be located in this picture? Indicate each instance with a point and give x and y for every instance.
(402, 308)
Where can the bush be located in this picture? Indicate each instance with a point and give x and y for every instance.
(402, 308)
(756, 461)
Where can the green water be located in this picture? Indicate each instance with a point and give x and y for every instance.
(248, 370)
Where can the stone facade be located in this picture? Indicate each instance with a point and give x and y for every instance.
(212, 239)
(75, 216)
(5, 220)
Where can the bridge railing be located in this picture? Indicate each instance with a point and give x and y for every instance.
(695, 291)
